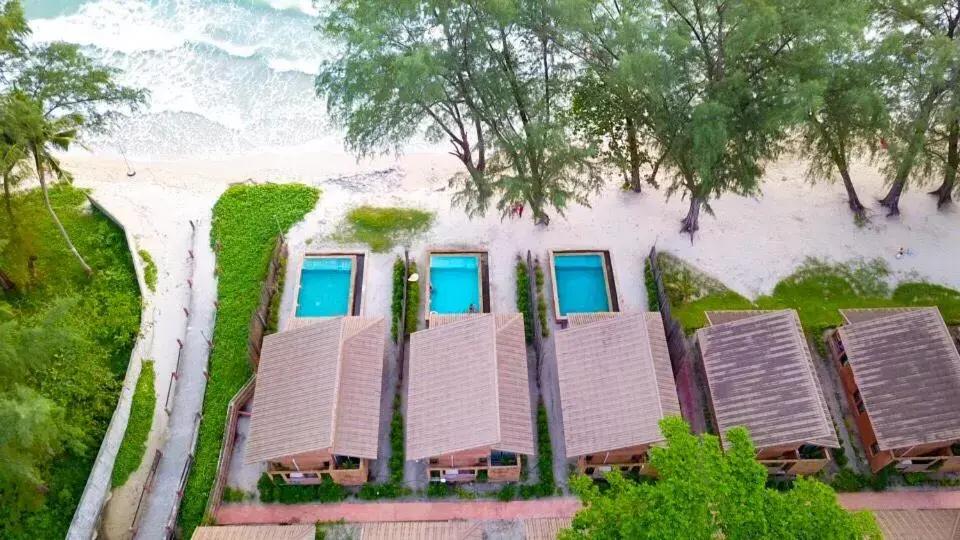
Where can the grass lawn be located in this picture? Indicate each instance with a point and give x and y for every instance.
(149, 270)
(105, 316)
(246, 221)
(134, 442)
(817, 290)
(383, 227)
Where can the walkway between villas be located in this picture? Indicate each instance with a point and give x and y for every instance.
(900, 500)
(236, 514)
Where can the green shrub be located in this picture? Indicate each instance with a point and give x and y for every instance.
(780, 483)
(273, 313)
(847, 480)
(507, 493)
(915, 478)
(929, 294)
(246, 221)
(391, 490)
(268, 490)
(134, 443)
(544, 451)
(653, 300)
(396, 442)
(523, 298)
(383, 227)
(542, 313)
(439, 489)
(463, 493)
(413, 300)
(233, 495)
(149, 270)
(538, 273)
(483, 476)
(102, 314)
(396, 306)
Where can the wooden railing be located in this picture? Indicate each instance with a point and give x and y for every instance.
(226, 447)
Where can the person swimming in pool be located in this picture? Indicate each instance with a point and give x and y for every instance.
(472, 308)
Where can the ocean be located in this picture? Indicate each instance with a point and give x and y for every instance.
(226, 77)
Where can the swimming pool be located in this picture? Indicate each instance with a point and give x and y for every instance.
(326, 287)
(581, 283)
(454, 283)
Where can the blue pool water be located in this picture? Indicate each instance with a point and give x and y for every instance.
(325, 287)
(454, 283)
(581, 283)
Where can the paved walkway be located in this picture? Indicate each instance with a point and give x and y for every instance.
(235, 514)
(900, 500)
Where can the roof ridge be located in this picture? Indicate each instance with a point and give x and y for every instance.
(757, 313)
(830, 434)
(335, 420)
(496, 373)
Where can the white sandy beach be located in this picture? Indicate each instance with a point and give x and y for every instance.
(750, 244)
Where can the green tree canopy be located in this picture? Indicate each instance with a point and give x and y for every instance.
(706, 493)
(485, 76)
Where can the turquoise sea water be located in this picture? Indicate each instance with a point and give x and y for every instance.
(226, 77)
(454, 283)
(581, 283)
(325, 287)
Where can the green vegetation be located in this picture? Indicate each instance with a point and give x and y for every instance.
(546, 484)
(134, 444)
(327, 491)
(507, 493)
(391, 490)
(383, 227)
(704, 492)
(149, 270)
(65, 342)
(523, 298)
(817, 290)
(273, 313)
(413, 300)
(396, 304)
(231, 494)
(246, 221)
(541, 300)
(396, 442)
(653, 299)
(440, 489)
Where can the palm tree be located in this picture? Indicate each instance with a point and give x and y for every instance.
(14, 170)
(40, 136)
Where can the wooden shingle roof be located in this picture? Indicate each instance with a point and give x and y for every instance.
(318, 388)
(919, 524)
(761, 376)
(907, 369)
(616, 383)
(256, 532)
(468, 386)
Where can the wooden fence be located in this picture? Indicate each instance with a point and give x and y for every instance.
(238, 402)
(147, 488)
(676, 338)
(259, 321)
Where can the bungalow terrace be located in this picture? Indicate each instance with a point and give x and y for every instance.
(616, 384)
(468, 400)
(760, 376)
(256, 532)
(316, 407)
(901, 373)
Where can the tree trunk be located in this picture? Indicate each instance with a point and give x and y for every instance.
(7, 198)
(853, 200)
(920, 124)
(652, 179)
(944, 193)
(691, 223)
(634, 150)
(6, 283)
(53, 214)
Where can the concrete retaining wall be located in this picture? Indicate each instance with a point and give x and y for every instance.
(86, 518)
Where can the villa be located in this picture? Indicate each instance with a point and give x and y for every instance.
(468, 401)
(760, 375)
(316, 406)
(616, 384)
(901, 373)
